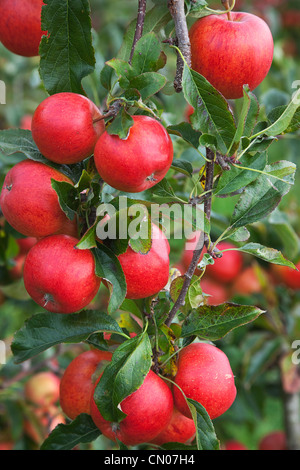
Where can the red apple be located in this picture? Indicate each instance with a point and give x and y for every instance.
(25, 244)
(287, 276)
(247, 282)
(44, 420)
(228, 267)
(147, 274)
(16, 272)
(20, 26)
(232, 53)
(217, 294)
(204, 375)
(63, 127)
(275, 440)
(60, 277)
(180, 429)
(26, 122)
(138, 162)
(6, 445)
(234, 445)
(148, 410)
(30, 204)
(42, 389)
(78, 381)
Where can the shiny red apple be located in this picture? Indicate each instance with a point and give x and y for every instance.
(65, 127)
(232, 53)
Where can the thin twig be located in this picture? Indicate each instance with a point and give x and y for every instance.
(139, 25)
(177, 11)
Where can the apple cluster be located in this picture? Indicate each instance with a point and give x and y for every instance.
(156, 413)
(68, 128)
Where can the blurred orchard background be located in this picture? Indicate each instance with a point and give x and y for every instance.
(263, 354)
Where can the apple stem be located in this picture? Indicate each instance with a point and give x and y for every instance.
(226, 4)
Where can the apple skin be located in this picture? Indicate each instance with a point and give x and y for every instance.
(30, 204)
(147, 274)
(20, 26)
(63, 128)
(230, 54)
(234, 445)
(287, 276)
(180, 429)
(247, 282)
(16, 272)
(216, 292)
(46, 419)
(149, 410)
(26, 122)
(78, 381)
(139, 162)
(228, 267)
(42, 389)
(60, 277)
(275, 440)
(6, 445)
(204, 375)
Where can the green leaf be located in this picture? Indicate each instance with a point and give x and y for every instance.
(121, 125)
(147, 54)
(148, 84)
(212, 114)
(186, 132)
(182, 166)
(284, 121)
(66, 53)
(205, 433)
(262, 196)
(108, 267)
(276, 113)
(155, 19)
(67, 197)
(20, 141)
(44, 330)
(124, 375)
(237, 178)
(287, 234)
(267, 254)
(214, 322)
(67, 436)
(247, 118)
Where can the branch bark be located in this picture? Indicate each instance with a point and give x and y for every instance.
(139, 26)
(177, 11)
(200, 244)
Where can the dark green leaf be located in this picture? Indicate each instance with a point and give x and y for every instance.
(214, 322)
(206, 438)
(44, 330)
(237, 178)
(67, 196)
(125, 373)
(212, 114)
(262, 196)
(108, 267)
(67, 54)
(267, 254)
(67, 436)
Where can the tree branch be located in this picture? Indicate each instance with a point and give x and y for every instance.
(177, 11)
(139, 25)
(200, 244)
